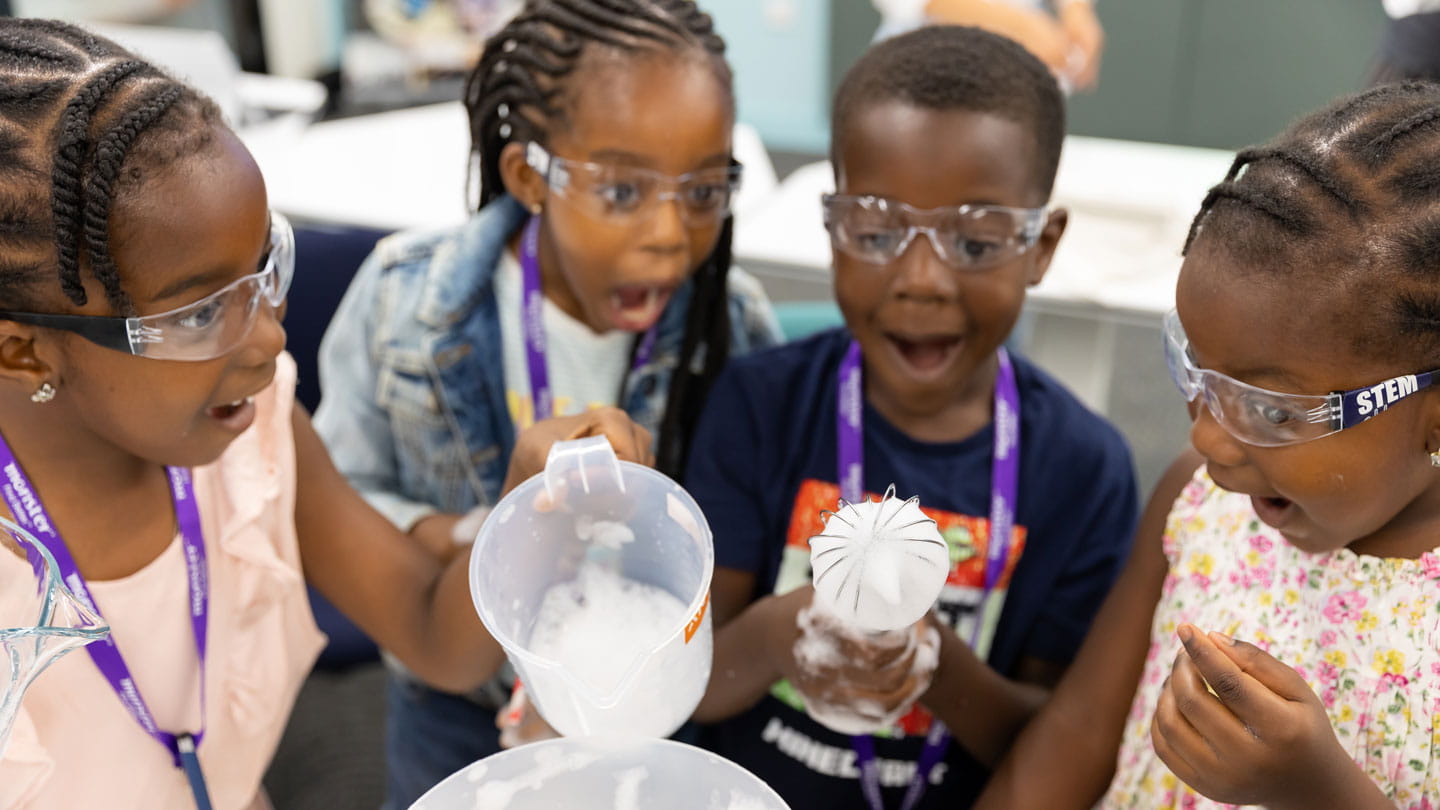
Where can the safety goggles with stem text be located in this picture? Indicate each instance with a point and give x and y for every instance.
(1266, 418)
(617, 192)
(203, 330)
(966, 237)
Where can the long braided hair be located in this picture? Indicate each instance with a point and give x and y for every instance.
(518, 92)
(1351, 191)
(82, 121)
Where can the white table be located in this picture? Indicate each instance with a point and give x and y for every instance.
(406, 168)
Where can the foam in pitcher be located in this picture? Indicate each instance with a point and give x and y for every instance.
(599, 623)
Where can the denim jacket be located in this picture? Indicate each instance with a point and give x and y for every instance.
(414, 409)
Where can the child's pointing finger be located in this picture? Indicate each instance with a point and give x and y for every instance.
(1276, 676)
(1245, 696)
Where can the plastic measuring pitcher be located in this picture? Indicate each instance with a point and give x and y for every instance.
(595, 577)
(615, 773)
(37, 624)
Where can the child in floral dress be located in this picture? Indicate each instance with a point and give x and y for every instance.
(1275, 631)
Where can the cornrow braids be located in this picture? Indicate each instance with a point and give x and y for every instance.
(520, 91)
(75, 36)
(704, 351)
(71, 143)
(78, 123)
(19, 47)
(516, 91)
(100, 187)
(1348, 197)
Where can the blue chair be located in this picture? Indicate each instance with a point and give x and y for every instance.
(800, 319)
(326, 258)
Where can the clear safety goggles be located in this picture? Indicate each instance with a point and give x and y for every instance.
(204, 330)
(966, 237)
(1266, 418)
(611, 191)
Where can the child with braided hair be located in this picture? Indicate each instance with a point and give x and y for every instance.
(1274, 633)
(149, 438)
(595, 271)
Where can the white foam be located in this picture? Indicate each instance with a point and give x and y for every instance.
(499, 794)
(879, 565)
(627, 793)
(598, 624)
(820, 650)
(739, 800)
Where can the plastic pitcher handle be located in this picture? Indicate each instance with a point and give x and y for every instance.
(590, 461)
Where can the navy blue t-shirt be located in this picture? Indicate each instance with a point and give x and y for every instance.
(763, 465)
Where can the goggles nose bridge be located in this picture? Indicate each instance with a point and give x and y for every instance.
(933, 235)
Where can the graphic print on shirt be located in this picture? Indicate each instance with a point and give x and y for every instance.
(968, 538)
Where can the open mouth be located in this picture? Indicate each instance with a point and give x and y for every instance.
(237, 414)
(926, 355)
(1272, 511)
(637, 307)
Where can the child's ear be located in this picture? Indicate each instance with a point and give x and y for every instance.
(1432, 422)
(1044, 249)
(524, 183)
(21, 366)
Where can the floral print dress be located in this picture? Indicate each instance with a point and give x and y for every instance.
(1360, 629)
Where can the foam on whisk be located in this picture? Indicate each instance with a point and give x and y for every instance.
(879, 565)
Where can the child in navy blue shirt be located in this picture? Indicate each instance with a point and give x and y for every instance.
(946, 142)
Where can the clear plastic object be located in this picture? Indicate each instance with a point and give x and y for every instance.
(589, 517)
(40, 626)
(621, 773)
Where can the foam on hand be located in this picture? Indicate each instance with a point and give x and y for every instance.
(822, 646)
(879, 565)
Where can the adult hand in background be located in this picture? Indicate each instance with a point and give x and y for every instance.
(1086, 42)
(1039, 33)
(1070, 43)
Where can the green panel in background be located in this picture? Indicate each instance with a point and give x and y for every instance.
(1217, 73)
(1259, 65)
(852, 28)
(1140, 72)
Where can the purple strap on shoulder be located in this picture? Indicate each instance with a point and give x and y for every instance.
(1004, 489)
(532, 324)
(24, 503)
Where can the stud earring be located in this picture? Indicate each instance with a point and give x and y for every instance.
(1435, 459)
(536, 209)
(44, 393)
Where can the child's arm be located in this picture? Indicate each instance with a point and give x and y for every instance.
(1261, 737)
(757, 648)
(1074, 740)
(983, 709)
(390, 586)
(744, 666)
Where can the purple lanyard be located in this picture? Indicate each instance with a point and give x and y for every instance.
(30, 513)
(1004, 487)
(533, 326)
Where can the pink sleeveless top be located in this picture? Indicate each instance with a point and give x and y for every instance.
(75, 746)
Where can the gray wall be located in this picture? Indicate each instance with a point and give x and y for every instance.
(1224, 73)
(1220, 73)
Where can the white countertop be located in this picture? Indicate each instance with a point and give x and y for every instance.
(1130, 202)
